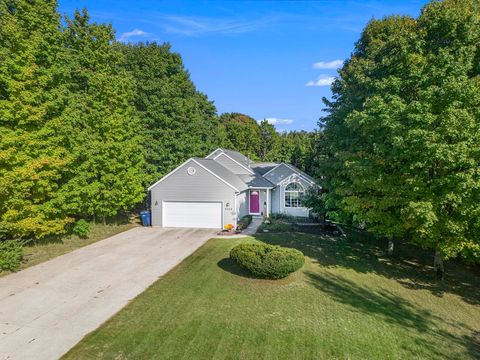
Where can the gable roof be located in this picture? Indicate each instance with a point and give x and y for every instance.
(215, 169)
(301, 172)
(222, 172)
(263, 168)
(263, 175)
(234, 155)
(280, 172)
(256, 181)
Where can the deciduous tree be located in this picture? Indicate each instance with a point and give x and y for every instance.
(176, 120)
(32, 158)
(100, 127)
(403, 130)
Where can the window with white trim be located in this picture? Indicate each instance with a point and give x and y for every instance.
(294, 193)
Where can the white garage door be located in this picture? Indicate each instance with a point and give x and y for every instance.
(192, 214)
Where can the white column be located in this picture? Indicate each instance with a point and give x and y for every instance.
(268, 202)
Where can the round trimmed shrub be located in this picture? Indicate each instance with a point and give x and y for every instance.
(267, 261)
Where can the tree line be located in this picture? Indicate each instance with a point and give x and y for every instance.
(87, 123)
(400, 146)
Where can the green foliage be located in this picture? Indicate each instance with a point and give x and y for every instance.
(244, 222)
(69, 143)
(32, 156)
(99, 123)
(402, 136)
(267, 261)
(261, 142)
(241, 133)
(275, 226)
(176, 120)
(81, 228)
(270, 142)
(299, 148)
(86, 122)
(11, 254)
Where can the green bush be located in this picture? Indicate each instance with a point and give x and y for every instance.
(11, 254)
(81, 228)
(267, 261)
(276, 227)
(244, 222)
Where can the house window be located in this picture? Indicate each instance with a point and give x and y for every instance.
(293, 195)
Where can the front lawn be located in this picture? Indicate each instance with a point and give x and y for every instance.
(347, 302)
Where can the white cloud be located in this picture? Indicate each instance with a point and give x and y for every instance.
(134, 33)
(335, 64)
(194, 26)
(322, 80)
(277, 121)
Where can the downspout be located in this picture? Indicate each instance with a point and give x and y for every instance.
(235, 207)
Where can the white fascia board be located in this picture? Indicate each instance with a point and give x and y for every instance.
(196, 162)
(213, 152)
(300, 174)
(292, 178)
(218, 177)
(170, 173)
(294, 170)
(235, 161)
(289, 178)
(269, 171)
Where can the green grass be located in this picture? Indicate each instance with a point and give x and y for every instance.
(348, 302)
(40, 251)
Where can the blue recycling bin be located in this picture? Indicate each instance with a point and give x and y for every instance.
(146, 218)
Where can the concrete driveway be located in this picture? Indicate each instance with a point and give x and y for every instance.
(48, 308)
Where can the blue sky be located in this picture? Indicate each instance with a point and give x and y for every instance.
(267, 59)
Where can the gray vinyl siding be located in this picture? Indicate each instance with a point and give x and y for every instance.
(263, 202)
(278, 200)
(242, 204)
(202, 186)
(275, 200)
(231, 165)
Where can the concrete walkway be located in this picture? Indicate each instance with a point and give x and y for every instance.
(250, 230)
(253, 227)
(46, 309)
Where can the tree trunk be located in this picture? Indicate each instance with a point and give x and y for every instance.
(104, 220)
(438, 264)
(93, 218)
(391, 246)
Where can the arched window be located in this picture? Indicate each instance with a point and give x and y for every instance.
(293, 195)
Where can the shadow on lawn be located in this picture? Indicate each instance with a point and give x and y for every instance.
(232, 267)
(410, 266)
(396, 311)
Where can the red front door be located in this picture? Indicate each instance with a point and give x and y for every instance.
(254, 202)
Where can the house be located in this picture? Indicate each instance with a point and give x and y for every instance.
(218, 190)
